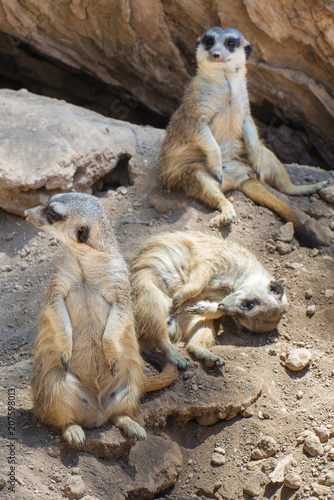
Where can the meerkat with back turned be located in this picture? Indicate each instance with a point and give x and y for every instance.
(183, 281)
(212, 144)
(87, 367)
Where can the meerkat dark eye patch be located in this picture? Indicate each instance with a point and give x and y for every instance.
(232, 43)
(248, 50)
(83, 234)
(276, 288)
(208, 41)
(248, 305)
(52, 216)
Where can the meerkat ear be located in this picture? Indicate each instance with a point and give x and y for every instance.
(83, 233)
(248, 49)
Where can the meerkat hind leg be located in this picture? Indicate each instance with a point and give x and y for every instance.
(129, 426)
(202, 338)
(202, 186)
(74, 434)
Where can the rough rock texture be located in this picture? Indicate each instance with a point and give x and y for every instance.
(290, 69)
(297, 359)
(59, 147)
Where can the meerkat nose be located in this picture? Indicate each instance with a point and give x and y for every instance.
(26, 214)
(216, 55)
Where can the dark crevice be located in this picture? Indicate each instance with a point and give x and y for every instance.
(119, 176)
(22, 66)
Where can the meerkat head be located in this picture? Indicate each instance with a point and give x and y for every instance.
(258, 305)
(77, 219)
(226, 48)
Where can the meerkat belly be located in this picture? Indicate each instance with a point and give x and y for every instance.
(226, 127)
(88, 313)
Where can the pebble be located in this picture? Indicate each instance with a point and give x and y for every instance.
(297, 359)
(329, 294)
(299, 394)
(314, 252)
(74, 487)
(329, 478)
(327, 193)
(220, 450)
(6, 268)
(123, 190)
(208, 419)
(293, 480)
(53, 451)
(56, 477)
(218, 459)
(312, 445)
(283, 248)
(89, 497)
(310, 310)
(266, 447)
(323, 433)
(285, 233)
(321, 235)
(253, 488)
(331, 454)
(331, 225)
(308, 293)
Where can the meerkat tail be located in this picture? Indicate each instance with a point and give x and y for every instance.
(165, 378)
(260, 195)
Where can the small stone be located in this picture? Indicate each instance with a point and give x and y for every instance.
(299, 395)
(329, 478)
(89, 497)
(323, 433)
(331, 453)
(322, 235)
(266, 447)
(56, 477)
(53, 451)
(270, 246)
(331, 225)
(312, 445)
(3, 481)
(329, 294)
(220, 450)
(310, 310)
(285, 233)
(297, 359)
(327, 193)
(74, 487)
(314, 252)
(292, 480)
(308, 293)
(75, 471)
(283, 248)
(218, 459)
(123, 190)
(6, 268)
(208, 419)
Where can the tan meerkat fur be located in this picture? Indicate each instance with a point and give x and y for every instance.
(182, 281)
(212, 144)
(87, 367)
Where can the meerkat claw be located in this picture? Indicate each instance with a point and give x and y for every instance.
(219, 178)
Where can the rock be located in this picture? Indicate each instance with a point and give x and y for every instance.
(331, 225)
(74, 487)
(219, 450)
(283, 248)
(327, 193)
(53, 451)
(312, 445)
(218, 459)
(308, 293)
(72, 148)
(297, 359)
(252, 488)
(277, 475)
(266, 447)
(89, 497)
(323, 433)
(329, 294)
(299, 395)
(285, 233)
(310, 310)
(329, 478)
(3, 481)
(293, 480)
(322, 235)
(331, 453)
(150, 67)
(208, 419)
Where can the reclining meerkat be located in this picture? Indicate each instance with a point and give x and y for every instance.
(182, 281)
(212, 144)
(87, 367)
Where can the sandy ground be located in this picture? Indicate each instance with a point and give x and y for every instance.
(283, 403)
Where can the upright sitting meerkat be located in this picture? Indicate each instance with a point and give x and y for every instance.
(87, 366)
(183, 281)
(212, 144)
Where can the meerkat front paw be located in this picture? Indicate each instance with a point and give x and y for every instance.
(200, 307)
(74, 435)
(213, 360)
(175, 305)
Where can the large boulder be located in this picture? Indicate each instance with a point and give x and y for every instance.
(49, 146)
(147, 48)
